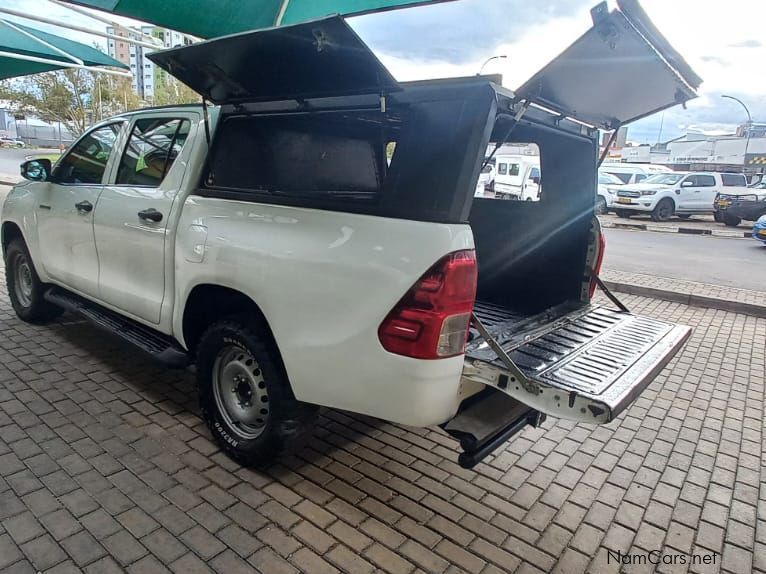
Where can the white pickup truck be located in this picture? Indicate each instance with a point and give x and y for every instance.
(676, 193)
(276, 242)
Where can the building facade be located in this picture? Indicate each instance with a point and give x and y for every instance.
(146, 76)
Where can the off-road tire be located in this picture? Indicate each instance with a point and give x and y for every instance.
(287, 421)
(730, 220)
(624, 213)
(25, 289)
(663, 210)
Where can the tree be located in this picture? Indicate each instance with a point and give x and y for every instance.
(169, 91)
(61, 96)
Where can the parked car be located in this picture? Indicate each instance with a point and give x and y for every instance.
(759, 229)
(630, 173)
(675, 193)
(733, 206)
(606, 192)
(352, 283)
(517, 177)
(485, 185)
(11, 142)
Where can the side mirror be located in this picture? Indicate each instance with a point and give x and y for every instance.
(36, 169)
(687, 183)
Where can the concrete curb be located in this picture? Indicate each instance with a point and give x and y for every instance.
(752, 309)
(11, 183)
(686, 230)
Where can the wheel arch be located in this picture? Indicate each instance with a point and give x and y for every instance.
(9, 232)
(208, 302)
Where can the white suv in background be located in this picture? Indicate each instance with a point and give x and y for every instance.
(606, 192)
(666, 194)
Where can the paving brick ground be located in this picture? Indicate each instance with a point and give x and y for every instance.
(700, 222)
(684, 286)
(106, 466)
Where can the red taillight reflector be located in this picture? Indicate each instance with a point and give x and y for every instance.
(599, 261)
(431, 320)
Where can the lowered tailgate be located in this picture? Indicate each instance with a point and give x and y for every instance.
(588, 365)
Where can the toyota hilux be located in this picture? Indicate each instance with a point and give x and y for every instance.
(313, 239)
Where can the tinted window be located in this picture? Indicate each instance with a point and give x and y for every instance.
(705, 181)
(502, 168)
(732, 179)
(152, 148)
(334, 155)
(640, 177)
(623, 177)
(513, 169)
(534, 173)
(86, 162)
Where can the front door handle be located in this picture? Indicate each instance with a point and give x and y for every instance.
(84, 207)
(150, 214)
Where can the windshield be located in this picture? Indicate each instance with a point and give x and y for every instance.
(609, 179)
(664, 178)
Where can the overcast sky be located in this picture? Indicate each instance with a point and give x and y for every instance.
(722, 41)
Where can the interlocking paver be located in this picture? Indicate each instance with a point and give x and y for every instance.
(104, 453)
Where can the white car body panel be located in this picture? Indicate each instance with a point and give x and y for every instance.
(328, 257)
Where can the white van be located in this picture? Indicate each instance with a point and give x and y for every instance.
(485, 185)
(632, 172)
(517, 177)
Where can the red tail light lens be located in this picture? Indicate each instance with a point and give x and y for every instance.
(431, 320)
(599, 261)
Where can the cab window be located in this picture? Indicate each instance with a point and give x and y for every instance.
(513, 169)
(502, 168)
(86, 162)
(153, 146)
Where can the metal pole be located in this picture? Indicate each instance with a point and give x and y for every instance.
(60, 64)
(749, 128)
(488, 60)
(78, 28)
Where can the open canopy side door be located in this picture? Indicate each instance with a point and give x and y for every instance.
(620, 70)
(321, 58)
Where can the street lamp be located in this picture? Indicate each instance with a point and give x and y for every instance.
(488, 60)
(749, 127)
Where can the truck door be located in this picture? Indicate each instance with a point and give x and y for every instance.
(65, 210)
(704, 193)
(134, 211)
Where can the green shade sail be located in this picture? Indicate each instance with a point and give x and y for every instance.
(213, 18)
(18, 42)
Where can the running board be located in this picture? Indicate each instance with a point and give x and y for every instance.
(588, 366)
(163, 348)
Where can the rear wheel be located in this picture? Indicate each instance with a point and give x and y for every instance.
(245, 395)
(664, 210)
(600, 205)
(731, 220)
(25, 289)
(625, 213)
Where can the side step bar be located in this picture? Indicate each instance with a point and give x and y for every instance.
(485, 422)
(163, 348)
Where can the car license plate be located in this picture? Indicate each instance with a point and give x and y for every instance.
(623, 200)
(762, 233)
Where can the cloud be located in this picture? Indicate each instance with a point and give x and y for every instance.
(747, 44)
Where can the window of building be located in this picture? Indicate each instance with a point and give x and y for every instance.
(153, 147)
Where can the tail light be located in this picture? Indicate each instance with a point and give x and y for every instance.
(431, 321)
(599, 261)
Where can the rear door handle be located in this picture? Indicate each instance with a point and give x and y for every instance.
(150, 214)
(84, 207)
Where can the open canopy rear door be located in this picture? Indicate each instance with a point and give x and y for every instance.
(620, 70)
(314, 59)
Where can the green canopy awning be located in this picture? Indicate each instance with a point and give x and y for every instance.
(25, 51)
(213, 18)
